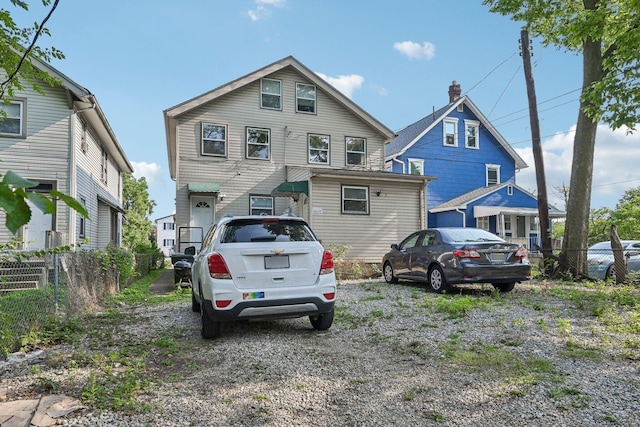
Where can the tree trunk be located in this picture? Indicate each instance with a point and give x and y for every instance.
(619, 262)
(573, 259)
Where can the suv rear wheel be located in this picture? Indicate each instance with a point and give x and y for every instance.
(210, 328)
(322, 322)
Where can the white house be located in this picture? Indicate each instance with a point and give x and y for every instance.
(166, 234)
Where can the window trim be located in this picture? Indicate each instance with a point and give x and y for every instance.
(348, 139)
(454, 122)
(328, 150)
(260, 196)
(482, 222)
(471, 124)
(315, 99)
(22, 102)
(509, 190)
(225, 139)
(82, 222)
(367, 200)
(279, 95)
(489, 167)
(105, 166)
(419, 163)
(267, 145)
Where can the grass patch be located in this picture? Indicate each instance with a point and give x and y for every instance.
(138, 293)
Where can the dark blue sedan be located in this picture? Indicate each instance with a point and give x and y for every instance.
(447, 256)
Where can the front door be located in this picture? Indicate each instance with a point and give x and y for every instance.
(202, 217)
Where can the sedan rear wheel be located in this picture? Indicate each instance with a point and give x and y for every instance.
(388, 273)
(437, 281)
(504, 287)
(611, 272)
(322, 322)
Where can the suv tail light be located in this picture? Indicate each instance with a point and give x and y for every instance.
(466, 253)
(217, 267)
(327, 263)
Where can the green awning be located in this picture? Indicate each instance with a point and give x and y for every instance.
(290, 189)
(203, 187)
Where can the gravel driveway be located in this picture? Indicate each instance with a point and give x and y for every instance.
(396, 355)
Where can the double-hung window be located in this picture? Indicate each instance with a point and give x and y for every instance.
(450, 132)
(169, 225)
(258, 143)
(319, 149)
(416, 167)
(261, 205)
(305, 98)
(105, 166)
(271, 94)
(356, 151)
(482, 223)
(355, 200)
(471, 129)
(214, 140)
(12, 123)
(493, 175)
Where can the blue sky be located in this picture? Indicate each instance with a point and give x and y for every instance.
(394, 58)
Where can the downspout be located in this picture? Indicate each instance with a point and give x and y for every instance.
(401, 162)
(464, 217)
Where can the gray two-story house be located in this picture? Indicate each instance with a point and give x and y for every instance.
(282, 139)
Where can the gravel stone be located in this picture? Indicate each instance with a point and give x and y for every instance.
(382, 363)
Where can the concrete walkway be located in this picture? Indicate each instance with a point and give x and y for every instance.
(164, 284)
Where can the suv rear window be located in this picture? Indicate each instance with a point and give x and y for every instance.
(266, 230)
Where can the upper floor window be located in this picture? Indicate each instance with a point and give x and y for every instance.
(258, 143)
(416, 167)
(168, 226)
(493, 175)
(214, 140)
(450, 136)
(271, 94)
(82, 223)
(105, 165)
(471, 134)
(261, 205)
(83, 139)
(305, 98)
(319, 148)
(356, 151)
(12, 122)
(355, 200)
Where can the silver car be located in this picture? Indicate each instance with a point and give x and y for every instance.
(262, 267)
(600, 259)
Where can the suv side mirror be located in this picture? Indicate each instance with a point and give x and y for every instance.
(191, 250)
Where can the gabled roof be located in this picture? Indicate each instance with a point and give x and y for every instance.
(461, 202)
(171, 114)
(87, 106)
(408, 136)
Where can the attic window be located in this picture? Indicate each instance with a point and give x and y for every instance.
(472, 128)
(450, 132)
(271, 94)
(461, 108)
(510, 190)
(305, 98)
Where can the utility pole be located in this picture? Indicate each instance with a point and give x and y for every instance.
(543, 201)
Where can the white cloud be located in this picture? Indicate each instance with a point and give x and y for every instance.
(262, 10)
(345, 84)
(415, 50)
(151, 171)
(614, 167)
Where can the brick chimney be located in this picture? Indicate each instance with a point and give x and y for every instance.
(454, 91)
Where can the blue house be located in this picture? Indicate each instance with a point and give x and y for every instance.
(475, 169)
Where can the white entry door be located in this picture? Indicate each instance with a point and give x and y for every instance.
(202, 217)
(36, 230)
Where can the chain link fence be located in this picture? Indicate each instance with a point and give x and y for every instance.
(37, 290)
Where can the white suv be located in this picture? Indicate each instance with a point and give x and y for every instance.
(259, 267)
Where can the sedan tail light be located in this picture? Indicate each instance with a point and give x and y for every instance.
(327, 263)
(522, 252)
(217, 267)
(466, 253)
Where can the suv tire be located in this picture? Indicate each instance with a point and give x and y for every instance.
(322, 322)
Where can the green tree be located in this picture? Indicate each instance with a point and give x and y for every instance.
(137, 229)
(626, 215)
(607, 34)
(16, 68)
(599, 225)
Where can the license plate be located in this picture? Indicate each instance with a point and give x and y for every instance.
(497, 257)
(279, 261)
